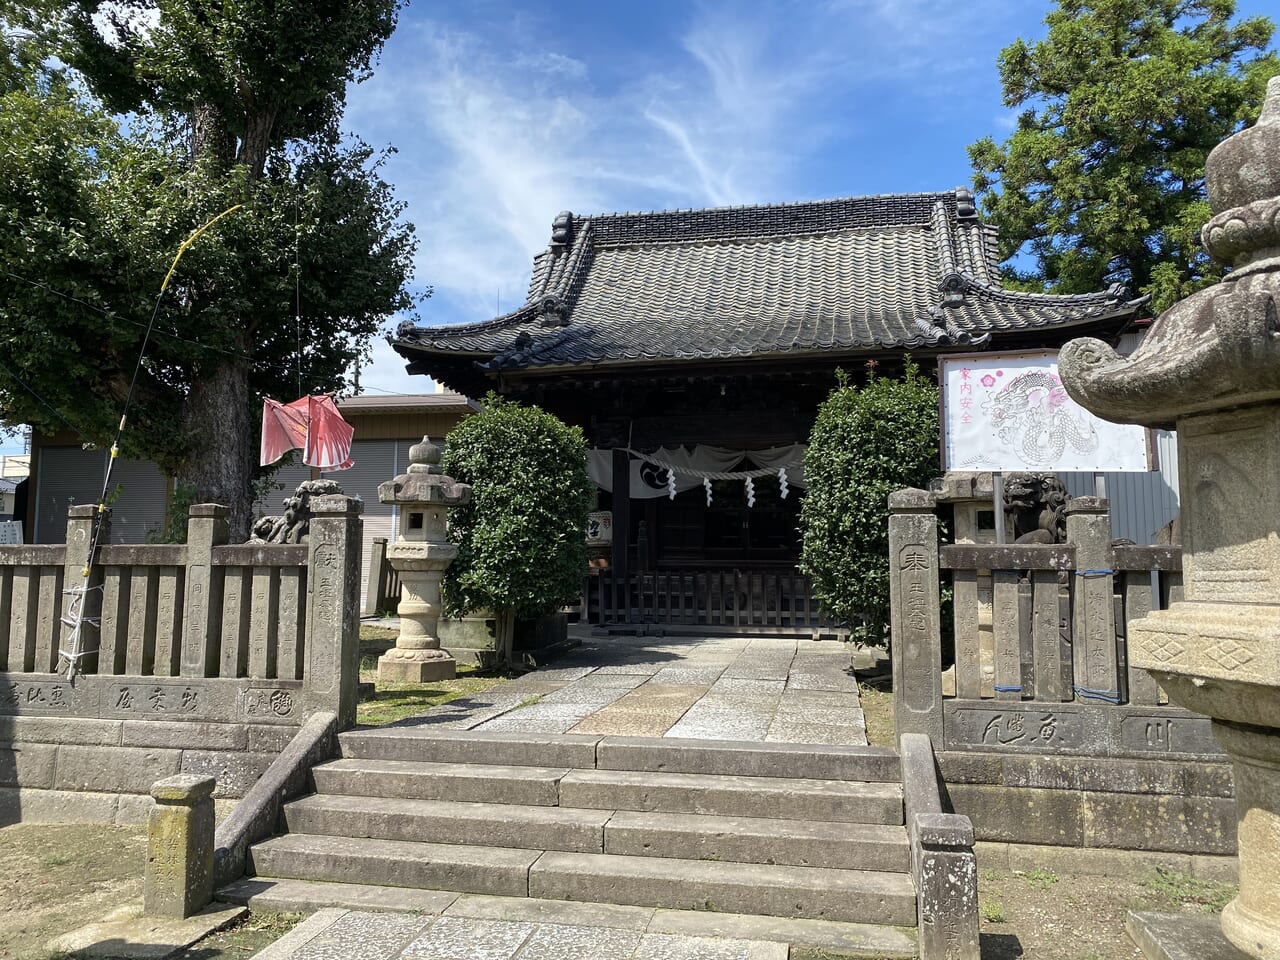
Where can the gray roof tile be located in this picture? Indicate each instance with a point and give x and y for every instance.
(895, 272)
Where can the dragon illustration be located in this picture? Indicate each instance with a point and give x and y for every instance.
(1032, 415)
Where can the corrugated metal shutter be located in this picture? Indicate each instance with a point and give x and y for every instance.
(72, 475)
(1141, 503)
(376, 461)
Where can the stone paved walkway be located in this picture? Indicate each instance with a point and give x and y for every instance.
(488, 928)
(719, 688)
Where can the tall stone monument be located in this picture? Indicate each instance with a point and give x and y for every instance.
(420, 556)
(1211, 366)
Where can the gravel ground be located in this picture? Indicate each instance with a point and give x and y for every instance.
(1041, 916)
(57, 877)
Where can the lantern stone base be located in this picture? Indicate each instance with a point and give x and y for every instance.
(416, 666)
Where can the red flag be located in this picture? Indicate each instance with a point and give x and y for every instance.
(312, 424)
(328, 436)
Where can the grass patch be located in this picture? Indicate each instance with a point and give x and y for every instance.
(374, 642)
(1169, 889)
(1040, 879)
(992, 911)
(397, 701)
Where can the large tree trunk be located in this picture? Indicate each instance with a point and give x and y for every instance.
(210, 137)
(258, 125)
(219, 418)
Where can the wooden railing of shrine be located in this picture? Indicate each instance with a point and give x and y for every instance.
(204, 630)
(1040, 656)
(718, 599)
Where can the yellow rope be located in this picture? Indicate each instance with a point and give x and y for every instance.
(192, 239)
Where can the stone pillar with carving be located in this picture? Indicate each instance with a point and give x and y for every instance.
(914, 613)
(421, 555)
(1211, 366)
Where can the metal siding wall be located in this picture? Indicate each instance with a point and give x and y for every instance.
(72, 475)
(1141, 503)
(376, 462)
(283, 484)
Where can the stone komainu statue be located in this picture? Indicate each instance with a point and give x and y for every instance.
(1038, 503)
(295, 525)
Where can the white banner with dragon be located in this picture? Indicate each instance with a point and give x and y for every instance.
(1009, 411)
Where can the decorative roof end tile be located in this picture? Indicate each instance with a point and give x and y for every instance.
(562, 230)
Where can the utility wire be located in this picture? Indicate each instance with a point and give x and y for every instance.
(161, 331)
(52, 409)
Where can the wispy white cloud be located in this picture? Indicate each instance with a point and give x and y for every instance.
(501, 126)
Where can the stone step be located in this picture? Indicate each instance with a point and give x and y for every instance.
(811, 893)
(835, 938)
(447, 821)
(779, 891)
(767, 797)
(658, 754)
(736, 758)
(626, 833)
(725, 796)
(395, 863)
(473, 782)
(426, 743)
(800, 843)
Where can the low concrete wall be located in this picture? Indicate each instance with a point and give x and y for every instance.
(1171, 806)
(65, 769)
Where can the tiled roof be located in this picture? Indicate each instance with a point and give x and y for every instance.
(858, 274)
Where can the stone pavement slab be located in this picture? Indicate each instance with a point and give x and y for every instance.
(575, 928)
(557, 941)
(301, 935)
(550, 933)
(1180, 936)
(758, 689)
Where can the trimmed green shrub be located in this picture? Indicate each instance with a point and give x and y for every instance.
(521, 546)
(866, 443)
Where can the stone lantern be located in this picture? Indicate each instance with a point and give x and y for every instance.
(420, 556)
(1211, 366)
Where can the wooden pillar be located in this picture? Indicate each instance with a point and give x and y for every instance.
(622, 527)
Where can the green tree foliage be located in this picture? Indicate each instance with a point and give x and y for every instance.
(867, 442)
(1102, 181)
(155, 117)
(521, 540)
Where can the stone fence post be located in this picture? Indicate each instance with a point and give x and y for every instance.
(916, 639)
(1094, 619)
(942, 860)
(79, 538)
(333, 607)
(206, 528)
(179, 873)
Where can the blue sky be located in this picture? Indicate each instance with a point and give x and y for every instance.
(505, 113)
